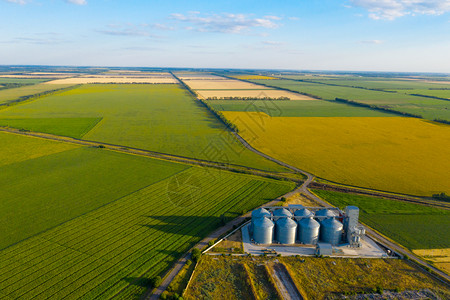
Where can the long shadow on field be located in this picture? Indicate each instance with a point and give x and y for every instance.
(194, 226)
(209, 117)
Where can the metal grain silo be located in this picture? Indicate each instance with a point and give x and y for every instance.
(282, 212)
(331, 231)
(259, 213)
(303, 213)
(308, 231)
(324, 213)
(263, 231)
(285, 230)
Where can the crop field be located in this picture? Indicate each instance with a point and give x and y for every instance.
(438, 257)
(21, 80)
(314, 108)
(15, 93)
(250, 77)
(441, 93)
(116, 79)
(255, 94)
(415, 226)
(222, 84)
(16, 148)
(216, 276)
(163, 118)
(428, 108)
(111, 250)
(40, 193)
(72, 127)
(357, 151)
(383, 84)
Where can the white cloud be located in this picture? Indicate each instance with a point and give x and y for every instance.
(77, 2)
(21, 2)
(392, 9)
(225, 23)
(375, 42)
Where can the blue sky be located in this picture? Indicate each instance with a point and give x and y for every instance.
(372, 35)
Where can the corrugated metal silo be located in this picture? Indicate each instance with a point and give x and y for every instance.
(308, 231)
(282, 212)
(324, 213)
(259, 213)
(263, 231)
(331, 231)
(303, 213)
(285, 230)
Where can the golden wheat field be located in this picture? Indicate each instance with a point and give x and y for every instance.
(404, 155)
(256, 94)
(222, 84)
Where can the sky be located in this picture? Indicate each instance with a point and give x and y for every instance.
(348, 35)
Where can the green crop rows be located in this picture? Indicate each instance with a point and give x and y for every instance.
(415, 226)
(40, 193)
(105, 252)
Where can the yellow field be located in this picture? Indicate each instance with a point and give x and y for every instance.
(253, 77)
(222, 84)
(439, 257)
(404, 155)
(252, 94)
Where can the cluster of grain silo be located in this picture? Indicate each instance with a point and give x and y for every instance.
(297, 224)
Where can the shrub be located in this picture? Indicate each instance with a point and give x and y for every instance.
(196, 254)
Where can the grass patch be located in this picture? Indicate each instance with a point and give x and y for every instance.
(415, 226)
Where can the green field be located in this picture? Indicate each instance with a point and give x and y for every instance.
(22, 80)
(382, 84)
(106, 251)
(40, 193)
(161, 118)
(73, 127)
(428, 108)
(444, 93)
(415, 226)
(8, 95)
(303, 108)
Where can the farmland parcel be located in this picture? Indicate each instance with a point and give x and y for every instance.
(161, 118)
(109, 221)
(364, 152)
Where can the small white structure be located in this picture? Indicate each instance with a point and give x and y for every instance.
(324, 249)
